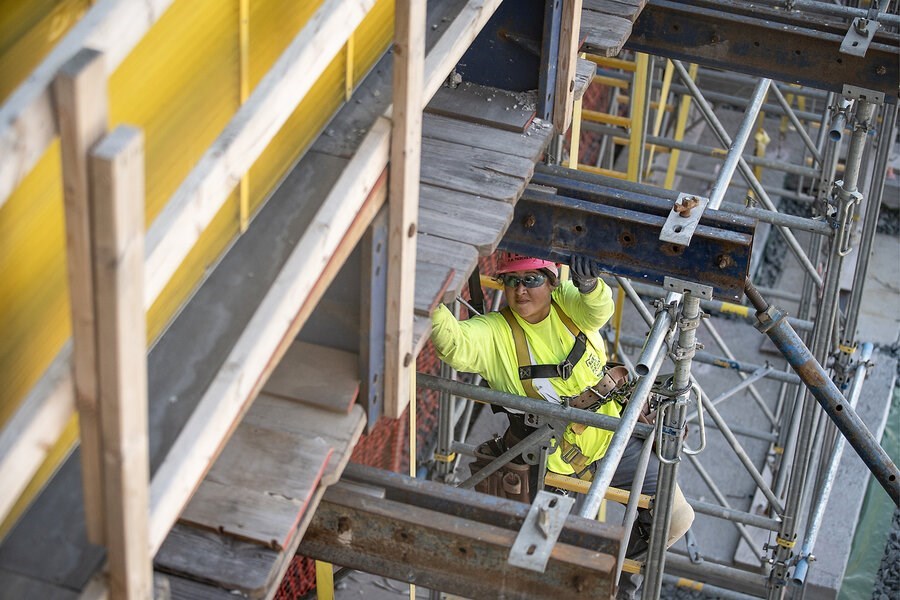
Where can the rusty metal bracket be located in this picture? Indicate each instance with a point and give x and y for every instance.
(455, 540)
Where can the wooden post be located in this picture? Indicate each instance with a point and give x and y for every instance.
(81, 111)
(569, 41)
(117, 194)
(406, 152)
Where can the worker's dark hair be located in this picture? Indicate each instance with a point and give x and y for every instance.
(551, 277)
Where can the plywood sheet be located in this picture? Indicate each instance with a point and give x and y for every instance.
(317, 375)
(479, 104)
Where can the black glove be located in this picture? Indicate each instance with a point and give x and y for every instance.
(585, 272)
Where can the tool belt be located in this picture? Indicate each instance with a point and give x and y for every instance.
(615, 379)
(512, 480)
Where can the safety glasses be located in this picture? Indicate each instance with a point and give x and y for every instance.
(532, 280)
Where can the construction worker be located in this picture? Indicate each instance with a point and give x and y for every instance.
(547, 345)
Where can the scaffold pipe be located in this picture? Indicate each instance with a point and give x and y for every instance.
(529, 405)
(818, 511)
(738, 143)
(773, 324)
(708, 114)
(607, 466)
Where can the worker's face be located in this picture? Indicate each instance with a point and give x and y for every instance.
(530, 303)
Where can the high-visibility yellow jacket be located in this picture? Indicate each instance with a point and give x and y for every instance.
(484, 344)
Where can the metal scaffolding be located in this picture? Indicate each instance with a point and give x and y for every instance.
(856, 128)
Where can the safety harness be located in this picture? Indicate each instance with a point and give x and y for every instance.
(570, 452)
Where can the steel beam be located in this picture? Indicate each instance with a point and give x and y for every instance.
(620, 228)
(767, 43)
(453, 540)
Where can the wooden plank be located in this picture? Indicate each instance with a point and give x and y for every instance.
(421, 332)
(226, 562)
(475, 103)
(584, 75)
(117, 193)
(463, 217)
(27, 123)
(529, 145)
(625, 9)
(340, 432)
(481, 158)
(461, 257)
(261, 569)
(34, 429)
(243, 513)
(433, 283)
(179, 588)
(265, 459)
(200, 196)
(604, 35)
(406, 148)
(317, 375)
(274, 324)
(448, 172)
(569, 40)
(82, 114)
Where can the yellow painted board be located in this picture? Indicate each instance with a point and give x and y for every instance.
(34, 298)
(181, 85)
(28, 31)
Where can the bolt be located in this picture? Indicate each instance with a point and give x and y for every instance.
(684, 209)
(881, 70)
(724, 261)
(529, 221)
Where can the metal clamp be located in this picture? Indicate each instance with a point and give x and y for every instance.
(683, 286)
(683, 219)
(693, 452)
(847, 210)
(858, 37)
(539, 532)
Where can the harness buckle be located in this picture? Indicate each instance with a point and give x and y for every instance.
(571, 454)
(564, 369)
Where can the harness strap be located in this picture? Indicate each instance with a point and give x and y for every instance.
(522, 356)
(573, 457)
(564, 369)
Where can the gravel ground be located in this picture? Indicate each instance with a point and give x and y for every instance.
(887, 583)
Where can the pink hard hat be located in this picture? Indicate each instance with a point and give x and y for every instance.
(510, 261)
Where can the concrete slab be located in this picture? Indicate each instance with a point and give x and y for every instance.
(842, 513)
